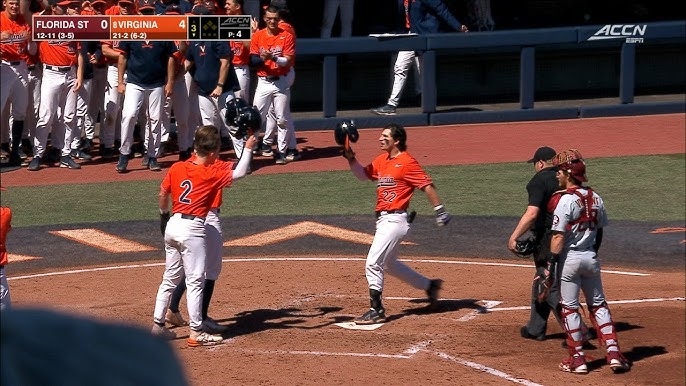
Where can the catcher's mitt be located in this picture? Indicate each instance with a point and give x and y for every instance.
(526, 247)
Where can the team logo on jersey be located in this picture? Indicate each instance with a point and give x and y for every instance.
(202, 50)
(146, 44)
(386, 182)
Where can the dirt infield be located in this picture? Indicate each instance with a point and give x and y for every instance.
(282, 308)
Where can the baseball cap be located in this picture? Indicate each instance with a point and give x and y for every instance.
(543, 153)
(62, 2)
(146, 4)
(201, 10)
(173, 9)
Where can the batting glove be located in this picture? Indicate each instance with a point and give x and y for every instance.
(442, 217)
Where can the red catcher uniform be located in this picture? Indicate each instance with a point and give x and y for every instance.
(396, 180)
(193, 189)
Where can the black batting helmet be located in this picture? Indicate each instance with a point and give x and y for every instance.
(233, 106)
(345, 129)
(248, 122)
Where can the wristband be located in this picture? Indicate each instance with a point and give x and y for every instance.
(162, 211)
(281, 61)
(220, 84)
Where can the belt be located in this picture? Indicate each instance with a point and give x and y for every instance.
(271, 78)
(13, 63)
(58, 68)
(380, 213)
(31, 67)
(189, 217)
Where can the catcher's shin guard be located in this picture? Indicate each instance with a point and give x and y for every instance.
(572, 324)
(602, 321)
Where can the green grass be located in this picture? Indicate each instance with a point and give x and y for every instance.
(645, 188)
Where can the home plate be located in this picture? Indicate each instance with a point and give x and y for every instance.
(353, 326)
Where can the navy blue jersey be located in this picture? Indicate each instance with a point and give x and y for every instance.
(183, 5)
(205, 57)
(89, 48)
(146, 64)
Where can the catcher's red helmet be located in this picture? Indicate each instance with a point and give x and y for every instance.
(572, 162)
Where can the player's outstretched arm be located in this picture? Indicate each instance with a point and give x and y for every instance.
(241, 169)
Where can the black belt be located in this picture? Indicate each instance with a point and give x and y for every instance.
(380, 213)
(189, 217)
(31, 67)
(58, 68)
(272, 78)
(14, 63)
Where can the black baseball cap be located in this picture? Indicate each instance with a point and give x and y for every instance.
(543, 153)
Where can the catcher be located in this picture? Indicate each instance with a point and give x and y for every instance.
(537, 221)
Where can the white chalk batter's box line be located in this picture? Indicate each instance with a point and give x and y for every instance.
(309, 259)
(409, 353)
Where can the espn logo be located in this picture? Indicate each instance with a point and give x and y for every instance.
(632, 33)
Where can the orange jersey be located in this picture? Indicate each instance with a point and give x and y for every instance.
(113, 10)
(283, 43)
(114, 44)
(5, 227)
(396, 178)
(217, 200)
(58, 53)
(194, 187)
(13, 48)
(241, 53)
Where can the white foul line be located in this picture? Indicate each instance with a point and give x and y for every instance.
(269, 259)
(486, 369)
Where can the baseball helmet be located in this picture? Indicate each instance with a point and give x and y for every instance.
(571, 162)
(233, 106)
(345, 129)
(248, 122)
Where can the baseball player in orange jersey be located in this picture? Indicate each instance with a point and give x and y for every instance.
(5, 227)
(272, 52)
(397, 175)
(241, 51)
(192, 186)
(15, 31)
(62, 78)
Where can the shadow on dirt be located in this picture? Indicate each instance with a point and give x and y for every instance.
(442, 306)
(248, 322)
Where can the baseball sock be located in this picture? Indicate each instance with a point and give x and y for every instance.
(177, 295)
(17, 130)
(375, 299)
(207, 291)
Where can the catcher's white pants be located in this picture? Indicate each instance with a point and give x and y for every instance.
(5, 300)
(184, 246)
(278, 94)
(57, 111)
(347, 12)
(135, 97)
(403, 62)
(384, 252)
(214, 244)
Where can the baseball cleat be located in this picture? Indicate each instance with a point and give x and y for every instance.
(267, 151)
(34, 164)
(292, 155)
(162, 332)
(154, 165)
(281, 159)
(384, 110)
(210, 326)
(617, 362)
(432, 291)
(372, 317)
(575, 364)
(175, 319)
(67, 162)
(78, 154)
(199, 338)
(123, 163)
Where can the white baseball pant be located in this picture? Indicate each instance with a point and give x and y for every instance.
(179, 103)
(35, 79)
(84, 121)
(278, 93)
(385, 250)
(57, 111)
(14, 88)
(184, 246)
(243, 75)
(113, 99)
(214, 243)
(5, 300)
(135, 97)
(403, 62)
(272, 127)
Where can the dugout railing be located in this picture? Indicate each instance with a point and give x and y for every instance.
(622, 43)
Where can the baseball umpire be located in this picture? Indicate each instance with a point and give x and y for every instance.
(537, 220)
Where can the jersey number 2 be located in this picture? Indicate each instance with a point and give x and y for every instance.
(187, 188)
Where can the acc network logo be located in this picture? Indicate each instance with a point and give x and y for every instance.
(632, 33)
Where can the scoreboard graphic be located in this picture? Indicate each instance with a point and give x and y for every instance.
(163, 27)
